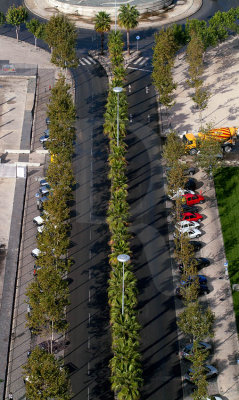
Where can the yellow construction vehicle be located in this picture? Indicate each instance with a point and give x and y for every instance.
(227, 137)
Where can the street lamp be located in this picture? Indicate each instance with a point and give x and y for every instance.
(117, 90)
(123, 258)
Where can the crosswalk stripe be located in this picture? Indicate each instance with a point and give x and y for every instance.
(144, 61)
(81, 62)
(92, 59)
(137, 61)
(87, 61)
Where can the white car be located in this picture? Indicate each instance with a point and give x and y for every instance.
(191, 232)
(36, 253)
(39, 221)
(214, 397)
(187, 225)
(179, 193)
(40, 229)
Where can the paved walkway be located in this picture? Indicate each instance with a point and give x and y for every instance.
(183, 9)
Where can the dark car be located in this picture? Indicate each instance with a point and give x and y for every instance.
(190, 171)
(48, 121)
(190, 184)
(196, 245)
(191, 209)
(187, 351)
(200, 262)
(45, 137)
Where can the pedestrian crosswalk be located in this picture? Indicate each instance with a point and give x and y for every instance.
(140, 61)
(87, 60)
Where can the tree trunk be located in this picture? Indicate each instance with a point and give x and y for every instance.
(35, 42)
(17, 31)
(128, 42)
(52, 335)
(102, 43)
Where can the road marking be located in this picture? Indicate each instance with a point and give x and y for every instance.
(91, 166)
(137, 61)
(88, 393)
(81, 62)
(140, 69)
(87, 61)
(89, 295)
(88, 368)
(92, 60)
(89, 274)
(88, 342)
(90, 228)
(89, 316)
(144, 61)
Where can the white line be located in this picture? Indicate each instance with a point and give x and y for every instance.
(88, 342)
(88, 393)
(81, 62)
(137, 61)
(92, 59)
(89, 295)
(91, 152)
(144, 61)
(89, 274)
(90, 254)
(89, 316)
(90, 228)
(91, 166)
(87, 61)
(140, 69)
(88, 368)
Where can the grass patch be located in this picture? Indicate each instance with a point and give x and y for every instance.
(227, 190)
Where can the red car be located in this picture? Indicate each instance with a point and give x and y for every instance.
(188, 216)
(191, 199)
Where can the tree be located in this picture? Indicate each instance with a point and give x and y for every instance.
(36, 28)
(163, 60)
(196, 322)
(173, 149)
(16, 16)
(60, 35)
(2, 18)
(128, 19)
(45, 377)
(102, 25)
(210, 155)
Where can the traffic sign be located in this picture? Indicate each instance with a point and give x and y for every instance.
(137, 37)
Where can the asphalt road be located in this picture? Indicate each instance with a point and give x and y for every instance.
(162, 377)
(89, 350)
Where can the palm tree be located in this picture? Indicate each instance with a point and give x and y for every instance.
(128, 19)
(102, 25)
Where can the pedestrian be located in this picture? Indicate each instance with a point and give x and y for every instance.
(28, 309)
(10, 396)
(49, 87)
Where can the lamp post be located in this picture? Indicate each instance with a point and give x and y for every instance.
(117, 90)
(123, 258)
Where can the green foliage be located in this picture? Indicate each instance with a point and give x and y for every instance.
(196, 322)
(128, 18)
(126, 371)
(36, 28)
(102, 25)
(16, 16)
(208, 158)
(60, 35)
(2, 18)
(173, 149)
(163, 60)
(45, 377)
(199, 374)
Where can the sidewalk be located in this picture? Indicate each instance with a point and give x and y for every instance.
(182, 10)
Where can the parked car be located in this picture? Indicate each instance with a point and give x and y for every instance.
(190, 184)
(48, 121)
(196, 245)
(186, 224)
(200, 262)
(214, 397)
(211, 372)
(180, 192)
(43, 182)
(41, 201)
(40, 229)
(189, 216)
(44, 190)
(36, 253)
(191, 209)
(45, 137)
(38, 220)
(187, 351)
(191, 199)
(187, 171)
(191, 233)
